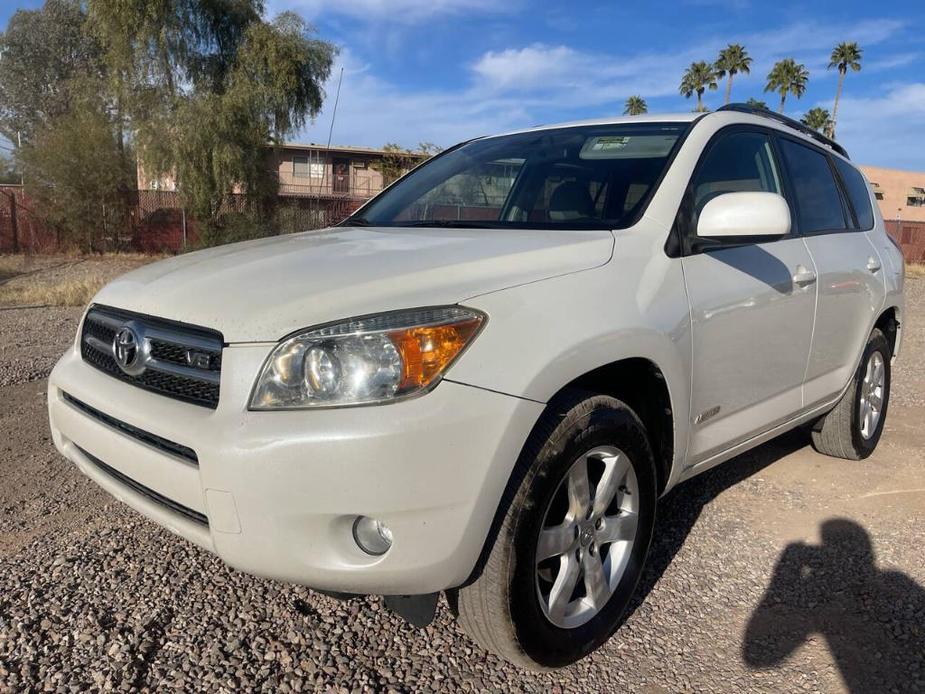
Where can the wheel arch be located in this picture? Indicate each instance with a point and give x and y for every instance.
(888, 323)
(639, 382)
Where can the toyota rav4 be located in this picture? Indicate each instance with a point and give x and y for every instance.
(482, 381)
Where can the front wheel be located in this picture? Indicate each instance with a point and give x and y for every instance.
(852, 430)
(573, 540)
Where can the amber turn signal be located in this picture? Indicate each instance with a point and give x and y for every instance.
(427, 351)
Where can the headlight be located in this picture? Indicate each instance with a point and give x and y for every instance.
(379, 358)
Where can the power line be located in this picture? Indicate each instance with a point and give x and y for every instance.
(334, 114)
(330, 134)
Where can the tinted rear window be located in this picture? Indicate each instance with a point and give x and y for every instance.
(817, 197)
(857, 194)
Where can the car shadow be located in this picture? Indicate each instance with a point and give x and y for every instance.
(872, 620)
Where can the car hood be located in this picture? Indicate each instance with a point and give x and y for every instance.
(261, 290)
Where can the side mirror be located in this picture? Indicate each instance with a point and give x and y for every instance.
(744, 215)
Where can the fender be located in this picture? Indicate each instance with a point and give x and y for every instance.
(622, 315)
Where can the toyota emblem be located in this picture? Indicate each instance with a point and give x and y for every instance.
(126, 349)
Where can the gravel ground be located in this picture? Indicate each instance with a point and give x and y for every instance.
(782, 570)
(31, 340)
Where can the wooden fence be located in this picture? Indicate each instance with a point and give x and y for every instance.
(911, 238)
(153, 221)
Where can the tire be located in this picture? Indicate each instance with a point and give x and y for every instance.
(504, 609)
(843, 432)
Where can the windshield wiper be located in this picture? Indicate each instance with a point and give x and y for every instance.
(355, 222)
(453, 224)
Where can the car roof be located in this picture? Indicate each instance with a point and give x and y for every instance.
(729, 116)
(610, 120)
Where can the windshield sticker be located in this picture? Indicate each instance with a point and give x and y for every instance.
(626, 146)
(606, 144)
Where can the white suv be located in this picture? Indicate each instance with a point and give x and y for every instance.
(482, 381)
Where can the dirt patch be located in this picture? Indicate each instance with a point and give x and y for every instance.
(60, 280)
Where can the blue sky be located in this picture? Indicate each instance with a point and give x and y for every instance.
(446, 70)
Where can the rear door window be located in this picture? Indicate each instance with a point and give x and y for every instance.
(819, 205)
(856, 189)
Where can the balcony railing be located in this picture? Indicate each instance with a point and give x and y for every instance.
(350, 186)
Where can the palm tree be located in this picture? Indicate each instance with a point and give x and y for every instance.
(732, 60)
(635, 106)
(817, 118)
(698, 78)
(845, 55)
(757, 103)
(787, 77)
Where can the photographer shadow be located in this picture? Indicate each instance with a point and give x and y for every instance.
(872, 620)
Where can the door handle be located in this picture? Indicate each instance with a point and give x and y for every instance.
(803, 276)
(873, 264)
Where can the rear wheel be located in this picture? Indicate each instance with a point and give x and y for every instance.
(572, 543)
(853, 429)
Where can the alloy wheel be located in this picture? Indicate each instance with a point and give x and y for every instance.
(870, 405)
(587, 536)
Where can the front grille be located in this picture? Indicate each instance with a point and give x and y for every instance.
(153, 440)
(177, 360)
(147, 492)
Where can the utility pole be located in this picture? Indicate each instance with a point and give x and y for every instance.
(183, 222)
(14, 225)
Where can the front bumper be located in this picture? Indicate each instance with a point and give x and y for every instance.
(275, 493)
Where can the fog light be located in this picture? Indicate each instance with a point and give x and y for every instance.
(371, 535)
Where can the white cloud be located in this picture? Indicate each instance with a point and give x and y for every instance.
(891, 62)
(735, 5)
(885, 130)
(589, 79)
(541, 75)
(524, 85)
(531, 67)
(372, 111)
(399, 11)
(507, 90)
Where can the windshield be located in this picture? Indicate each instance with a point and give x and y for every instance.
(579, 177)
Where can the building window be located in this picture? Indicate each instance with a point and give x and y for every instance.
(300, 167)
(304, 167)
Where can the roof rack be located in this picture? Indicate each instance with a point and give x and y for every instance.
(789, 122)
